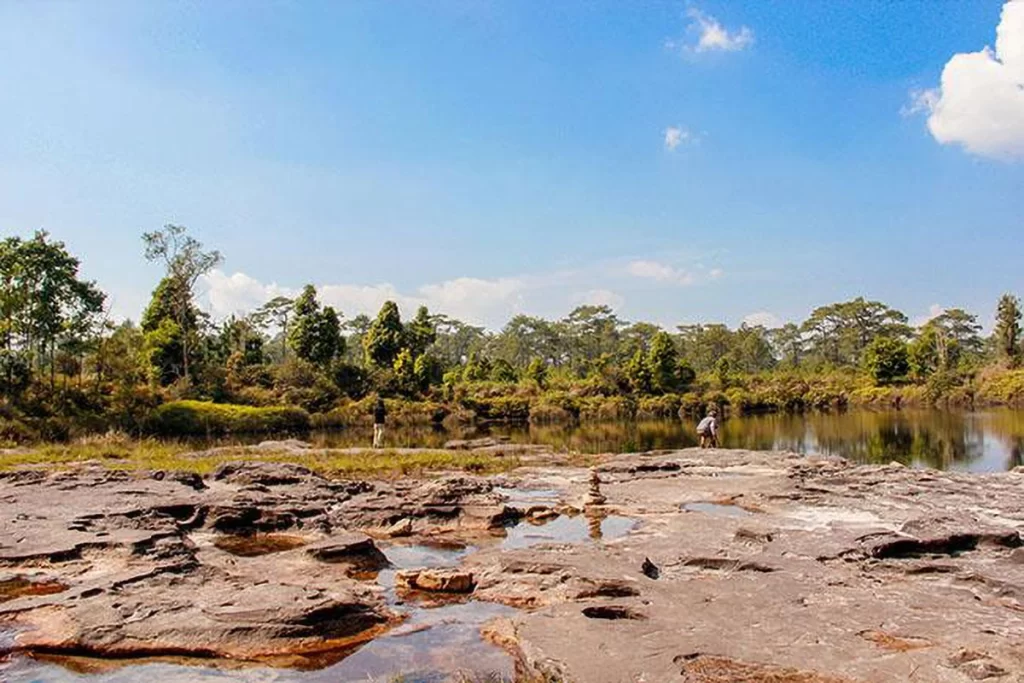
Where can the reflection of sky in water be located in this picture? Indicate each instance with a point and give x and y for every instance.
(409, 653)
(566, 529)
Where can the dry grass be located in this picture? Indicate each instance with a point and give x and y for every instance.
(120, 452)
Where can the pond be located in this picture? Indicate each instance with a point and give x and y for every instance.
(986, 441)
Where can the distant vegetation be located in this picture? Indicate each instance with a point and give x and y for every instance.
(66, 369)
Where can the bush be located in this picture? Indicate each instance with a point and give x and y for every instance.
(607, 408)
(658, 407)
(201, 417)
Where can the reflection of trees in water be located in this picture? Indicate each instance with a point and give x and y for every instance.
(934, 438)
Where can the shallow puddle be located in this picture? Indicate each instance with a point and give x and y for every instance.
(517, 497)
(434, 645)
(565, 529)
(258, 544)
(717, 509)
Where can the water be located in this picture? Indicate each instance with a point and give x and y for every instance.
(986, 441)
(565, 529)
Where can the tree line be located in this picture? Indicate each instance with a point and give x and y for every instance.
(61, 354)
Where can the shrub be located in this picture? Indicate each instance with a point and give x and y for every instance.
(201, 417)
(658, 407)
(607, 408)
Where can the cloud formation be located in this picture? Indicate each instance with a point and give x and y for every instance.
(979, 103)
(660, 272)
(675, 136)
(713, 37)
(762, 319)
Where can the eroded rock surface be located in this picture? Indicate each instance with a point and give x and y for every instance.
(735, 566)
(257, 561)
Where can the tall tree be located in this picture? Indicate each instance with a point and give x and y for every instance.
(185, 262)
(663, 363)
(276, 314)
(43, 303)
(1007, 331)
(316, 333)
(421, 332)
(386, 336)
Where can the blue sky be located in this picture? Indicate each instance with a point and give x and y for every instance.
(683, 162)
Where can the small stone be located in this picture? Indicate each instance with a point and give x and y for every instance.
(436, 580)
(649, 569)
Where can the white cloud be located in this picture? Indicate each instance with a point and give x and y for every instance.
(934, 311)
(712, 36)
(237, 294)
(659, 271)
(715, 273)
(980, 100)
(472, 299)
(675, 136)
(762, 319)
(600, 297)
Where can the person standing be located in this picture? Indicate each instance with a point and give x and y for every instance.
(380, 416)
(707, 430)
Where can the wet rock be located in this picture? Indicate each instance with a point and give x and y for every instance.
(436, 580)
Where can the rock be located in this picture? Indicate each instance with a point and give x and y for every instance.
(473, 444)
(349, 547)
(399, 529)
(649, 569)
(265, 473)
(436, 580)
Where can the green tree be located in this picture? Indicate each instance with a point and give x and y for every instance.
(478, 368)
(887, 360)
(428, 370)
(1007, 330)
(405, 372)
(185, 262)
(420, 333)
(840, 333)
(43, 304)
(663, 362)
(639, 375)
(275, 314)
(589, 332)
(386, 337)
(537, 372)
(316, 333)
(502, 371)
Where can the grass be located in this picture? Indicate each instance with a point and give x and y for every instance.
(203, 417)
(123, 453)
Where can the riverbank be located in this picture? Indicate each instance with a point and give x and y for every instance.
(472, 404)
(717, 565)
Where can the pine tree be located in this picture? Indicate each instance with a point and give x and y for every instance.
(1007, 332)
(386, 336)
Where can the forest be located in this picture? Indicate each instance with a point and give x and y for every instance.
(67, 368)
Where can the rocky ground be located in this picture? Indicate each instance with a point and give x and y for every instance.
(699, 566)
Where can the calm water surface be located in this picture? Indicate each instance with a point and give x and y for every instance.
(989, 441)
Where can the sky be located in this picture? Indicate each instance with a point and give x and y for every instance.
(708, 161)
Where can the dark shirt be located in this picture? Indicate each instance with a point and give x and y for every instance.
(380, 413)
